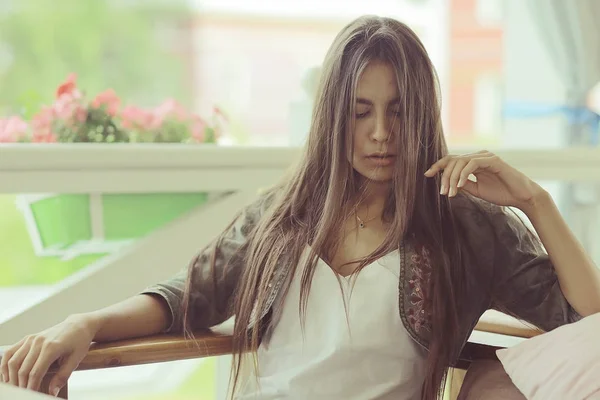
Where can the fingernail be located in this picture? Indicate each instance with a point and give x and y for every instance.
(452, 192)
(55, 391)
(443, 188)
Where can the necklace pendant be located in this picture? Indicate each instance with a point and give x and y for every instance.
(361, 225)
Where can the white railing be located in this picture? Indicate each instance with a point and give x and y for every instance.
(182, 168)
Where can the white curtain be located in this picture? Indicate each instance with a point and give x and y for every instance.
(570, 32)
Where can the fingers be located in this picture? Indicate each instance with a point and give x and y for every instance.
(6, 357)
(15, 361)
(40, 365)
(471, 188)
(438, 166)
(8, 354)
(455, 175)
(445, 182)
(63, 374)
(471, 167)
(457, 169)
(28, 362)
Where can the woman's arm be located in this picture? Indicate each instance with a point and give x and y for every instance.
(526, 282)
(137, 316)
(27, 361)
(579, 278)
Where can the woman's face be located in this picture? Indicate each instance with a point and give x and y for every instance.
(376, 123)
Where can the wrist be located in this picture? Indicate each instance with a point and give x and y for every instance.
(541, 200)
(90, 322)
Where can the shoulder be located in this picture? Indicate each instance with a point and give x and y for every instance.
(474, 213)
(488, 224)
(477, 222)
(253, 213)
(266, 200)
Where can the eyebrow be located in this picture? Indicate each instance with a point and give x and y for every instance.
(361, 100)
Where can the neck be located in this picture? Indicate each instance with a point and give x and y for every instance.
(371, 201)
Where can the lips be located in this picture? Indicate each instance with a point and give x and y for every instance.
(381, 159)
(381, 155)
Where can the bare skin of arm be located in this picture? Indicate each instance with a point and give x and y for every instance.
(25, 363)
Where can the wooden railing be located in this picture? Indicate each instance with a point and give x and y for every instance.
(164, 348)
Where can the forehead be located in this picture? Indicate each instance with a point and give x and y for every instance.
(377, 82)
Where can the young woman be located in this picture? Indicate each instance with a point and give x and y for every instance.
(362, 275)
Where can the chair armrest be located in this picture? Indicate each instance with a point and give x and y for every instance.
(502, 324)
(155, 349)
(152, 349)
(163, 348)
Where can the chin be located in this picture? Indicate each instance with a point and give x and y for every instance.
(383, 175)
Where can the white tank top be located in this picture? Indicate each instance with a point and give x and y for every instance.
(368, 355)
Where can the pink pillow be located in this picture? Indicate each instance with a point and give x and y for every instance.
(561, 364)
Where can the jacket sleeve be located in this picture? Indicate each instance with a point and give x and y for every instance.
(211, 288)
(524, 282)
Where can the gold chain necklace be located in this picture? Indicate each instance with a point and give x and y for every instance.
(361, 223)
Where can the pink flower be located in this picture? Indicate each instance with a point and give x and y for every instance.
(69, 86)
(44, 137)
(219, 113)
(43, 119)
(12, 129)
(137, 118)
(69, 108)
(42, 126)
(80, 115)
(219, 121)
(108, 99)
(170, 108)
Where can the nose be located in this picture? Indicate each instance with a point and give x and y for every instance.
(381, 133)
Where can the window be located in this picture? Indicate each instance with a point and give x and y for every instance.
(487, 115)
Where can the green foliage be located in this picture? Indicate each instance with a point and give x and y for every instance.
(99, 127)
(123, 45)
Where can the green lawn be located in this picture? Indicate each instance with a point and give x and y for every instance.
(200, 385)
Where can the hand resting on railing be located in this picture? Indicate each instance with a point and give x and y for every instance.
(164, 348)
(26, 362)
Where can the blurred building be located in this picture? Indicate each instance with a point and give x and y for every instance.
(253, 57)
(476, 78)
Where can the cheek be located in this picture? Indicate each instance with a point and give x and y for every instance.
(361, 135)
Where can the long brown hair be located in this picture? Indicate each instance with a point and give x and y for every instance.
(313, 202)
